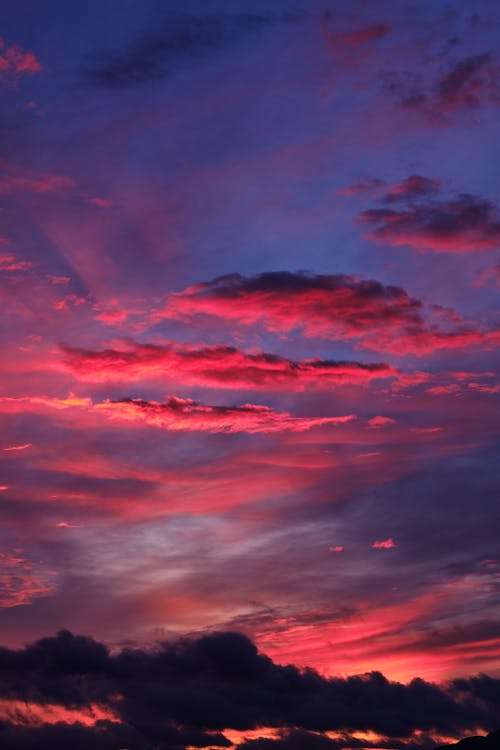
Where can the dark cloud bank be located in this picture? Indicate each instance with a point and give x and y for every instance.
(185, 693)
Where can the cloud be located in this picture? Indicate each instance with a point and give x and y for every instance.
(429, 221)
(489, 277)
(381, 421)
(181, 40)
(385, 544)
(186, 692)
(176, 414)
(11, 263)
(224, 366)
(17, 447)
(378, 317)
(464, 82)
(333, 304)
(16, 62)
(15, 178)
(342, 40)
(467, 84)
(22, 581)
(186, 414)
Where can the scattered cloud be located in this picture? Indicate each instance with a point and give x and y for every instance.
(177, 414)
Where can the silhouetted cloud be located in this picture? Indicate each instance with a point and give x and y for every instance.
(188, 691)
(181, 39)
(489, 742)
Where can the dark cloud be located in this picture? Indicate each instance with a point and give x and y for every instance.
(187, 692)
(490, 742)
(459, 87)
(181, 39)
(433, 221)
(466, 84)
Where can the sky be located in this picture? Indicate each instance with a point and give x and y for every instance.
(249, 271)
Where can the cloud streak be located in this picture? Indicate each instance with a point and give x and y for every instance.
(223, 366)
(176, 414)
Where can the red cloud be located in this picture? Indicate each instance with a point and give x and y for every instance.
(382, 318)
(177, 414)
(457, 226)
(17, 178)
(11, 263)
(186, 414)
(17, 447)
(15, 62)
(381, 421)
(224, 366)
(333, 305)
(19, 582)
(386, 544)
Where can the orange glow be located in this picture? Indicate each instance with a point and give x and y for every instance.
(35, 714)
(239, 737)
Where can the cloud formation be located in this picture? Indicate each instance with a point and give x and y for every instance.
(187, 692)
(434, 222)
(188, 415)
(378, 317)
(177, 414)
(337, 305)
(223, 366)
(22, 581)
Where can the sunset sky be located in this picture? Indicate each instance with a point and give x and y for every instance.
(249, 275)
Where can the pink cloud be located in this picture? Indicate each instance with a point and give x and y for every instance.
(186, 414)
(385, 544)
(377, 317)
(16, 62)
(381, 421)
(22, 447)
(21, 581)
(217, 365)
(430, 221)
(175, 414)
